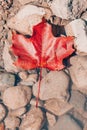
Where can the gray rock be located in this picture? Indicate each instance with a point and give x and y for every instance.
(54, 85)
(78, 72)
(6, 79)
(66, 123)
(78, 101)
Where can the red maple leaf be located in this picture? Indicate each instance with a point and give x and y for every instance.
(41, 50)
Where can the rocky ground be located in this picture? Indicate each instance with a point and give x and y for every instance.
(63, 95)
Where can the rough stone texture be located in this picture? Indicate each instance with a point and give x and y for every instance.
(84, 16)
(30, 80)
(78, 72)
(54, 85)
(12, 122)
(23, 75)
(18, 112)
(16, 97)
(33, 120)
(57, 107)
(77, 28)
(2, 112)
(9, 66)
(78, 101)
(70, 9)
(33, 102)
(66, 123)
(6, 79)
(51, 119)
(27, 17)
(85, 127)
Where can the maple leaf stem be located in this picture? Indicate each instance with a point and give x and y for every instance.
(39, 85)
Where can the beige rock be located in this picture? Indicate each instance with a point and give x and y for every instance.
(70, 9)
(77, 28)
(54, 85)
(27, 17)
(57, 107)
(6, 79)
(18, 112)
(2, 112)
(16, 97)
(33, 120)
(30, 80)
(12, 122)
(84, 16)
(23, 2)
(85, 127)
(33, 102)
(51, 119)
(78, 100)
(9, 66)
(23, 75)
(66, 122)
(78, 72)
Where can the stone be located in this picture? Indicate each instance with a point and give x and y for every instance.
(66, 122)
(51, 119)
(2, 112)
(16, 97)
(30, 80)
(85, 126)
(23, 75)
(78, 100)
(27, 17)
(7, 79)
(9, 66)
(12, 122)
(84, 16)
(71, 9)
(57, 107)
(18, 112)
(78, 73)
(33, 102)
(54, 85)
(77, 28)
(33, 120)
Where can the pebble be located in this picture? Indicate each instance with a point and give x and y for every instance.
(51, 119)
(30, 80)
(18, 112)
(6, 79)
(12, 122)
(9, 66)
(27, 17)
(54, 85)
(71, 9)
(57, 107)
(78, 72)
(2, 112)
(17, 97)
(33, 102)
(66, 122)
(78, 100)
(23, 75)
(33, 120)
